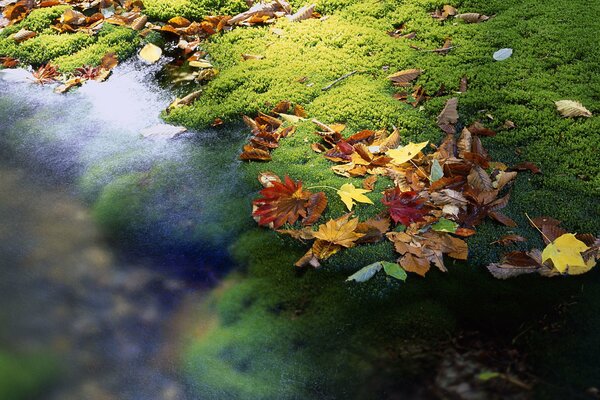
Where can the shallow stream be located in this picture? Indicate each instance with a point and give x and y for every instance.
(109, 310)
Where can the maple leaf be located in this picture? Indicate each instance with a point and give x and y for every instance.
(406, 153)
(349, 194)
(404, 207)
(46, 74)
(341, 231)
(565, 254)
(285, 202)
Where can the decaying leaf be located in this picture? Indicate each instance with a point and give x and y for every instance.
(404, 77)
(449, 116)
(404, 207)
(366, 273)
(472, 18)
(572, 109)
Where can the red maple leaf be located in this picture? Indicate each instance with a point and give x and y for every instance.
(404, 207)
(286, 202)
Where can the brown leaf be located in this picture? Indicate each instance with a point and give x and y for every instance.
(411, 263)
(526, 166)
(369, 183)
(478, 129)
(267, 178)
(549, 228)
(509, 239)
(479, 179)
(449, 116)
(299, 234)
(404, 77)
(251, 153)
(463, 84)
(503, 219)
(314, 208)
(472, 18)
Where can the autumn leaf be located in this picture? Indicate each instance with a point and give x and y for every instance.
(283, 202)
(150, 53)
(472, 18)
(565, 254)
(404, 207)
(437, 171)
(349, 194)
(571, 109)
(449, 116)
(406, 153)
(340, 231)
(403, 78)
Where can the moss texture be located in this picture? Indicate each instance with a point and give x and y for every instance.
(66, 51)
(275, 333)
(193, 9)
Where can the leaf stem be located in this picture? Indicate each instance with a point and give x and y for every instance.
(322, 187)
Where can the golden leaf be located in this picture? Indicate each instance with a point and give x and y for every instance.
(349, 194)
(565, 254)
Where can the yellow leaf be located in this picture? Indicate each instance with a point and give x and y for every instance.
(565, 253)
(200, 64)
(150, 53)
(406, 153)
(292, 119)
(348, 193)
(339, 232)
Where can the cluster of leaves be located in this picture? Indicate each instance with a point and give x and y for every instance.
(565, 253)
(436, 200)
(48, 74)
(267, 130)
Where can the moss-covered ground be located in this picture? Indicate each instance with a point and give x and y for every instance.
(66, 51)
(283, 334)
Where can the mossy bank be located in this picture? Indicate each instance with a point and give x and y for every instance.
(274, 325)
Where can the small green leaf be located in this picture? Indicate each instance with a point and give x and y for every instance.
(400, 228)
(437, 172)
(445, 225)
(486, 376)
(394, 270)
(365, 273)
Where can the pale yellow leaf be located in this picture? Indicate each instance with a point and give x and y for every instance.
(349, 194)
(406, 153)
(150, 53)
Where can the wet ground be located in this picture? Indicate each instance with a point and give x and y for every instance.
(113, 325)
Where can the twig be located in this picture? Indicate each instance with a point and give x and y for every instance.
(442, 50)
(338, 80)
(539, 230)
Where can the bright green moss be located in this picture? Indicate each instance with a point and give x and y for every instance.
(193, 9)
(44, 48)
(39, 20)
(111, 39)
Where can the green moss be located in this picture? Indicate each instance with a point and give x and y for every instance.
(39, 20)
(193, 9)
(111, 39)
(273, 325)
(46, 47)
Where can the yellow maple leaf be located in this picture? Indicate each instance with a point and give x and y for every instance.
(349, 194)
(339, 231)
(406, 153)
(565, 253)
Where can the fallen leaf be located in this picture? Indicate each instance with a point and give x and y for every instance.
(340, 231)
(503, 54)
(437, 172)
(445, 225)
(526, 166)
(472, 18)
(150, 53)
(509, 239)
(404, 77)
(406, 153)
(404, 207)
(369, 183)
(449, 116)
(571, 109)
(349, 194)
(565, 254)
